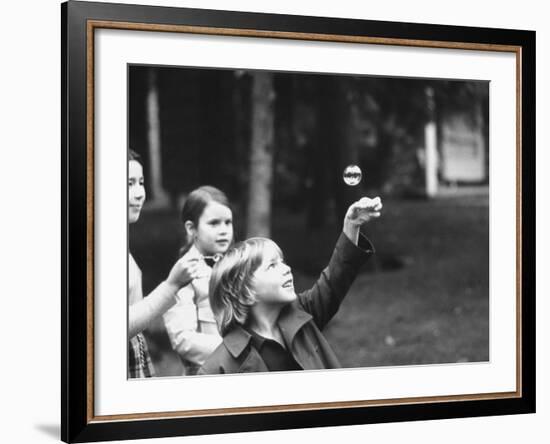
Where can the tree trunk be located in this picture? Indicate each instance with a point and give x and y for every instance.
(340, 125)
(159, 196)
(261, 156)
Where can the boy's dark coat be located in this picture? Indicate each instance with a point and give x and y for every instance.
(300, 322)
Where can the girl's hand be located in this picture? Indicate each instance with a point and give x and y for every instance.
(183, 272)
(363, 210)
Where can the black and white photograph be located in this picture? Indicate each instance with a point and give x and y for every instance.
(282, 221)
(278, 222)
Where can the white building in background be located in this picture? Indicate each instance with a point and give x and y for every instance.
(462, 150)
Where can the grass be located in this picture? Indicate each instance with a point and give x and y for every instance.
(423, 299)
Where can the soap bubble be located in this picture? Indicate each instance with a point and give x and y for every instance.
(352, 175)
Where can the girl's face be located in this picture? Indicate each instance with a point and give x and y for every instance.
(136, 190)
(214, 231)
(272, 282)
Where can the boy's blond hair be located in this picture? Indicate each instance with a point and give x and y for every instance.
(230, 291)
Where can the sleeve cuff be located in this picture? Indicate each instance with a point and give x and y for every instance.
(365, 244)
(364, 247)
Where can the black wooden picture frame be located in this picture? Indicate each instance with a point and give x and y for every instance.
(79, 20)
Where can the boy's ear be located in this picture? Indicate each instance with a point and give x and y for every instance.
(189, 228)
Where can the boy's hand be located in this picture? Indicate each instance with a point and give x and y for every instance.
(363, 210)
(183, 272)
(358, 213)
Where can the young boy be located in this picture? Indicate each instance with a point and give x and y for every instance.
(265, 326)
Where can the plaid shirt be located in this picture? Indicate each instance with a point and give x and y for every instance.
(139, 360)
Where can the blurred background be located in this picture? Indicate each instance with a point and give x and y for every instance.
(277, 143)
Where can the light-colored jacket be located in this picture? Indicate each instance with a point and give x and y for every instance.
(190, 323)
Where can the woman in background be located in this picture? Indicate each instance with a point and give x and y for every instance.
(142, 311)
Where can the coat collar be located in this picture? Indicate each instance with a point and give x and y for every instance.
(291, 320)
(236, 340)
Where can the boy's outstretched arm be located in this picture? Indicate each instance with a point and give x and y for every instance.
(323, 299)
